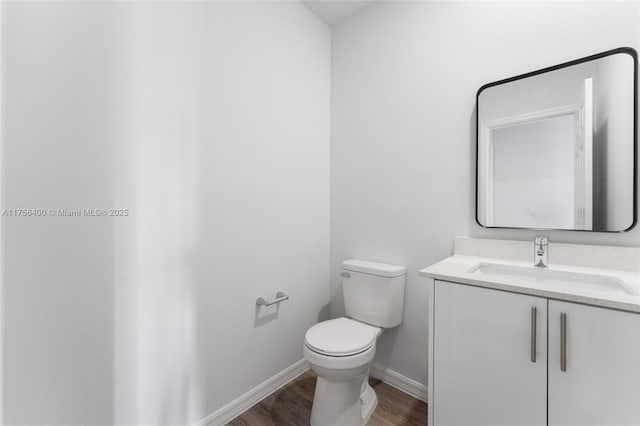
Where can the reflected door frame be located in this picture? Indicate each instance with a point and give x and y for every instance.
(485, 150)
(583, 160)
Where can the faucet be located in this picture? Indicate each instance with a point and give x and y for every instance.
(540, 251)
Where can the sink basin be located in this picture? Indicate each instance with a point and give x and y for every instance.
(560, 279)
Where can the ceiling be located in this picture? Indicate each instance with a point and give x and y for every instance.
(334, 12)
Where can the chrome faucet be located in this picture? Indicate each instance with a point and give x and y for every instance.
(540, 251)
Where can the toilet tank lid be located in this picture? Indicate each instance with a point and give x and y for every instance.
(374, 268)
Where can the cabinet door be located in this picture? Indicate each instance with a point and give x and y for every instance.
(601, 382)
(484, 372)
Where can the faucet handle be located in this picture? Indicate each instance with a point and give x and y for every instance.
(541, 240)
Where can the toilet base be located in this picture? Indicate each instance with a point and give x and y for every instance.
(341, 401)
(368, 402)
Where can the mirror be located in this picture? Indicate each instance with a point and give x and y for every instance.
(556, 148)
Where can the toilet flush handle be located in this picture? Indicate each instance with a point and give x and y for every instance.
(345, 274)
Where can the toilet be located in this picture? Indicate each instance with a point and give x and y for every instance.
(341, 350)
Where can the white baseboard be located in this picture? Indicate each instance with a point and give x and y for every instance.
(255, 395)
(241, 404)
(398, 381)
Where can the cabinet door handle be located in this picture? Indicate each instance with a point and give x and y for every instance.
(534, 315)
(563, 342)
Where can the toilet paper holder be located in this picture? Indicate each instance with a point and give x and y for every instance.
(280, 297)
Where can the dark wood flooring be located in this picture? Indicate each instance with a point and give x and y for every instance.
(291, 405)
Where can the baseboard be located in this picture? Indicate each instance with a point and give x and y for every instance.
(398, 381)
(255, 395)
(241, 404)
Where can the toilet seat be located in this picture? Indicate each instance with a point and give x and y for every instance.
(341, 337)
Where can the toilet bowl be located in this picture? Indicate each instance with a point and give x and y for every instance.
(341, 351)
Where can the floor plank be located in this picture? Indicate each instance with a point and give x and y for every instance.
(291, 406)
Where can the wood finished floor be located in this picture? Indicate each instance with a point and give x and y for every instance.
(291, 405)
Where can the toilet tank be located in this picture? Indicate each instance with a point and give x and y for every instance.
(373, 292)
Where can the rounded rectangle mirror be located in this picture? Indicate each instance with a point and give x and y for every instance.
(556, 148)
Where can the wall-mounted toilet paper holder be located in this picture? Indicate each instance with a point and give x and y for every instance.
(280, 297)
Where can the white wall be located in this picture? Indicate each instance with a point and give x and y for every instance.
(58, 129)
(404, 79)
(210, 122)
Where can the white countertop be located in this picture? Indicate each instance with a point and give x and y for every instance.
(458, 268)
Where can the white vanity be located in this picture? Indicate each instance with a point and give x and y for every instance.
(512, 344)
(558, 343)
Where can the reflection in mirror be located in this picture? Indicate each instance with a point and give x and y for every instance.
(556, 148)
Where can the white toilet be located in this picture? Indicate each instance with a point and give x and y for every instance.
(341, 350)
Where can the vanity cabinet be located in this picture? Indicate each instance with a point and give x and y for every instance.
(483, 369)
(600, 384)
(492, 366)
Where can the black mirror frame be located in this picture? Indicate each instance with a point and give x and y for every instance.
(626, 50)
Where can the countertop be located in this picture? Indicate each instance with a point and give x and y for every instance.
(459, 268)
